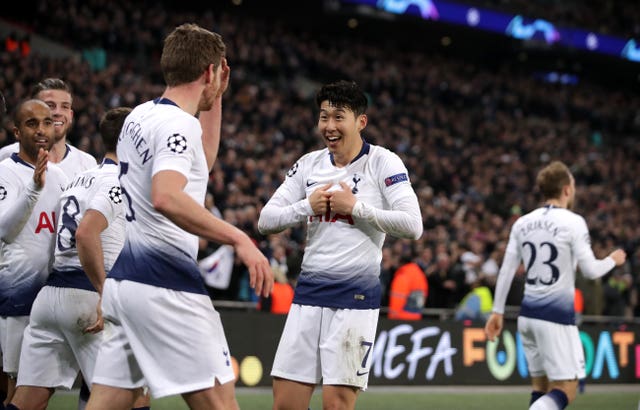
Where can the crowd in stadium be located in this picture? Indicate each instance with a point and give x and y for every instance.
(472, 136)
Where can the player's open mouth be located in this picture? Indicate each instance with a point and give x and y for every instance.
(58, 123)
(333, 139)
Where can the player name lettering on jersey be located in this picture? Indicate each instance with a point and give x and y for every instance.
(538, 225)
(46, 223)
(82, 181)
(133, 132)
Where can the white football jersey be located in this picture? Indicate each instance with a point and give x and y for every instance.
(551, 242)
(73, 162)
(341, 262)
(26, 258)
(158, 136)
(97, 189)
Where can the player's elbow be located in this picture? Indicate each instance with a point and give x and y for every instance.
(85, 234)
(162, 202)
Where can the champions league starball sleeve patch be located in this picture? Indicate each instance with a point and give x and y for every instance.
(394, 179)
(292, 171)
(177, 143)
(115, 195)
(3, 193)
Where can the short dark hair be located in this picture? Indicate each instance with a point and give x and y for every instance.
(111, 125)
(50, 84)
(346, 94)
(552, 178)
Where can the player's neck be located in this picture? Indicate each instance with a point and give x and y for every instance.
(112, 156)
(58, 150)
(557, 203)
(186, 96)
(344, 158)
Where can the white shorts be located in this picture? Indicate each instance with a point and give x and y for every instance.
(55, 347)
(328, 344)
(11, 333)
(171, 341)
(552, 349)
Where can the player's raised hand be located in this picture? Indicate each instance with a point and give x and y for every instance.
(619, 256)
(99, 323)
(224, 77)
(342, 200)
(493, 327)
(260, 273)
(41, 168)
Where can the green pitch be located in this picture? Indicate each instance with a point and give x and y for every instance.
(406, 400)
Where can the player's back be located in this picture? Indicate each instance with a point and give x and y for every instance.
(159, 136)
(546, 240)
(97, 189)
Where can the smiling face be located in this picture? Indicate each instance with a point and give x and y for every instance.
(340, 129)
(33, 129)
(59, 101)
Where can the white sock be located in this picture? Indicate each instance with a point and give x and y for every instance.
(544, 403)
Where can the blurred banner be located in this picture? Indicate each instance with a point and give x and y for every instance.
(428, 352)
(520, 27)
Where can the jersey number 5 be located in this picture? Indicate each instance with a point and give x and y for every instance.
(532, 278)
(130, 215)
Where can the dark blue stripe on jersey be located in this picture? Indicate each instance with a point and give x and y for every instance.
(563, 314)
(364, 151)
(18, 302)
(19, 160)
(67, 151)
(162, 100)
(151, 267)
(75, 278)
(337, 294)
(107, 161)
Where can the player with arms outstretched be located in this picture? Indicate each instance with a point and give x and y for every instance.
(551, 241)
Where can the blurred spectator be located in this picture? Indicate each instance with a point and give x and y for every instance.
(617, 286)
(446, 282)
(408, 292)
(477, 304)
(578, 305)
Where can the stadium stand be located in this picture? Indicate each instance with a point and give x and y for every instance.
(473, 129)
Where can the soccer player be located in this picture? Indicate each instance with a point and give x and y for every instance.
(62, 336)
(29, 192)
(550, 241)
(161, 329)
(56, 93)
(350, 194)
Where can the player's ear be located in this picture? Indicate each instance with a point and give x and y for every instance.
(362, 121)
(209, 74)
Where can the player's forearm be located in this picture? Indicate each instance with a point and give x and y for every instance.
(183, 211)
(503, 284)
(404, 221)
(89, 247)
(211, 122)
(277, 216)
(16, 215)
(593, 268)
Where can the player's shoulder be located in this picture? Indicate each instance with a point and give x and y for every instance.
(7, 150)
(78, 154)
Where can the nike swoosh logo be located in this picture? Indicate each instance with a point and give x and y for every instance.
(309, 183)
(358, 373)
